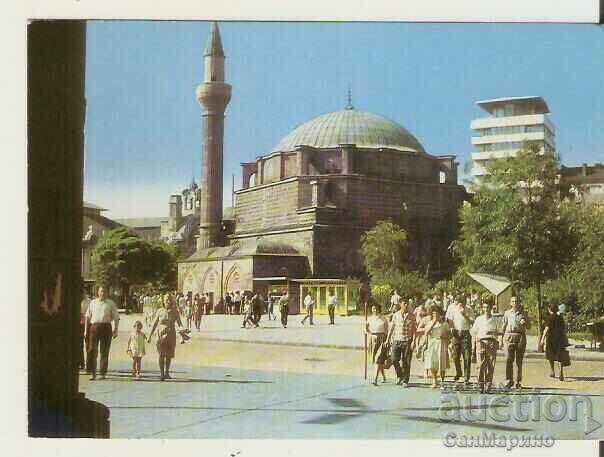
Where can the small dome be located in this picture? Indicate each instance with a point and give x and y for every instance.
(350, 127)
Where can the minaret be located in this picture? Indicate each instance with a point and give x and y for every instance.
(213, 94)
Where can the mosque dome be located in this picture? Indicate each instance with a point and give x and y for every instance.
(350, 126)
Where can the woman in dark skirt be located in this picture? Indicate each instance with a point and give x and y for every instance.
(555, 340)
(165, 321)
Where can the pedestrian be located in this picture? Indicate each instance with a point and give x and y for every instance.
(484, 330)
(331, 306)
(401, 337)
(257, 306)
(136, 348)
(514, 336)
(376, 329)
(460, 318)
(207, 304)
(228, 303)
(555, 341)
(284, 309)
(84, 346)
(394, 303)
(436, 356)
(203, 306)
(237, 301)
(101, 312)
(271, 307)
(422, 319)
(189, 312)
(308, 307)
(182, 303)
(197, 310)
(165, 324)
(422, 310)
(248, 312)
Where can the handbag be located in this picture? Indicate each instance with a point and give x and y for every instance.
(388, 360)
(421, 349)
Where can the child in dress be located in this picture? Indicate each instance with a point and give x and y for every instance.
(136, 348)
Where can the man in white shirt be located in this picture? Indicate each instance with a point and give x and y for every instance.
(308, 307)
(514, 336)
(484, 330)
(331, 306)
(395, 298)
(460, 319)
(101, 312)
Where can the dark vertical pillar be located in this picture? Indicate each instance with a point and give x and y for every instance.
(56, 109)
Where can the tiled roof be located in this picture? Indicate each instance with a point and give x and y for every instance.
(93, 206)
(142, 222)
(246, 247)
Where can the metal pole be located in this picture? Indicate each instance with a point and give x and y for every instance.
(365, 345)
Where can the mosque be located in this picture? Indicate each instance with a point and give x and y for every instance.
(302, 207)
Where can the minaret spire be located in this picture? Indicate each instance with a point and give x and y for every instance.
(349, 99)
(213, 94)
(214, 44)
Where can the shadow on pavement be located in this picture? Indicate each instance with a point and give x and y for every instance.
(584, 378)
(130, 378)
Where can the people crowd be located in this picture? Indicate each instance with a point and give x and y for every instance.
(458, 331)
(449, 332)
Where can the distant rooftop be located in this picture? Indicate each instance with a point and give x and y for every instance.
(142, 222)
(93, 206)
(538, 102)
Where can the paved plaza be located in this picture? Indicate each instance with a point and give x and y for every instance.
(236, 389)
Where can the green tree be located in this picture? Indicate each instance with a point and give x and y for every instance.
(580, 284)
(383, 249)
(121, 258)
(515, 226)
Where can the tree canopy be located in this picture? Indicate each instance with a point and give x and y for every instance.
(515, 225)
(384, 251)
(122, 258)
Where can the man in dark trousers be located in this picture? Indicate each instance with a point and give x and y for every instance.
(331, 306)
(401, 336)
(514, 337)
(101, 312)
(257, 308)
(284, 309)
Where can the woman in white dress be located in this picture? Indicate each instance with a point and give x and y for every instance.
(436, 356)
(376, 328)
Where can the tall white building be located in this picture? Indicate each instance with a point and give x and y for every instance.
(511, 121)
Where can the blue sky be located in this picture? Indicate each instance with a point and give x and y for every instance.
(143, 123)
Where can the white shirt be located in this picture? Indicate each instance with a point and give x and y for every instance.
(514, 321)
(377, 324)
(455, 315)
(484, 328)
(136, 344)
(395, 299)
(102, 311)
(331, 299)
(308, 301)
